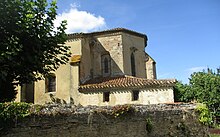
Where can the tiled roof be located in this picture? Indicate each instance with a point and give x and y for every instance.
(75, 58)
(77, 35)
(123, 82)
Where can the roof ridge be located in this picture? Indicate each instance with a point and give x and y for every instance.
(124, 82)
(107, 30)
(172, 79)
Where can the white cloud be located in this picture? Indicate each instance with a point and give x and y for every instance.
(80, 21)
(196, 69)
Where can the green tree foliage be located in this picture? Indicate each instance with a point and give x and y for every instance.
(181, 93)
(30, 46)
(203, 87)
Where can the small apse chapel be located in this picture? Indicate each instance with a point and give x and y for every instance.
(106, 68)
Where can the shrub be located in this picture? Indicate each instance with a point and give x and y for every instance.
(205, 116)
(10, 112)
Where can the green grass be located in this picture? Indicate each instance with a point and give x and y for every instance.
(214, 135)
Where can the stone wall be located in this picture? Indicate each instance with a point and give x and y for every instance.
(136, 45)
(145, 121)
(150, 68)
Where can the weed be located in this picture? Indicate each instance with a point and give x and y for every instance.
(149, 125)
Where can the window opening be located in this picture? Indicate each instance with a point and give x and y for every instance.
(133, 71)
(106, 65)
(106, 96)
(135, 95)
(51, 83)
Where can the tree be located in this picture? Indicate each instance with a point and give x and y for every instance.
(182, 92)
(203, 87)
(206, 89)
(30, 47)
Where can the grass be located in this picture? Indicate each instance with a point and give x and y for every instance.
(214, 135)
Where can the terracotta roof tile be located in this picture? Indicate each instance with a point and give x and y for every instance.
(124, 82)
(75, 58)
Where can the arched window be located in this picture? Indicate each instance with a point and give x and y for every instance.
(106, 65)
(133, 71)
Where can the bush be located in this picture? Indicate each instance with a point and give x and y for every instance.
(10, 112)
(205, 116)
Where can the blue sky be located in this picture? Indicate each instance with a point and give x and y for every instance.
(183, 35)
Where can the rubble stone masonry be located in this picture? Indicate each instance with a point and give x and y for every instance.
(163, 120)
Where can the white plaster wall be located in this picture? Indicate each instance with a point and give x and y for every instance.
(157, 95)
(120, 97)
(96, 98)
(146, 96)
(91, 99)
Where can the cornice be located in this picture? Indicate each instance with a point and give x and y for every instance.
(110, 32)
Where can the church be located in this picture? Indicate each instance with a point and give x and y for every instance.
(108, 67)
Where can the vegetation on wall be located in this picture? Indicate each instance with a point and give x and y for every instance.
(30, 46)
(122, 110)
(149, 125)
(141, 120)
(203, 87)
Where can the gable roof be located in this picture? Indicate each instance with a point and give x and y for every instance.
(124, 82)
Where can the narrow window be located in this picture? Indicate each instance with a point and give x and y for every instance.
(154, 71)
(135, 95)
(106, 65)
(51, 83)
(106, 96)
(133, 71)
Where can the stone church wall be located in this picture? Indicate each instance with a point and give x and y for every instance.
(151, 68)
(145, 121)
(137, 45)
